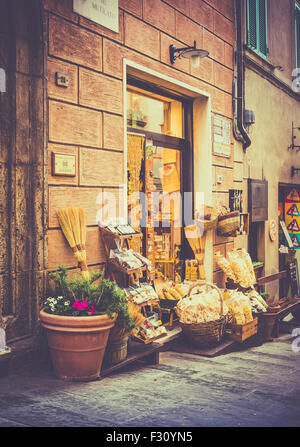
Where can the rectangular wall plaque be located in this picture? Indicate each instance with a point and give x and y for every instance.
(103, 12)
(63, 164)
(221, 140)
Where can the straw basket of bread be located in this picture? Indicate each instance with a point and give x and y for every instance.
(203, 315)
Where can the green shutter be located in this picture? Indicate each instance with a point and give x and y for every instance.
(297, 35)
(262, 27)
(251, 22)
(257, 26)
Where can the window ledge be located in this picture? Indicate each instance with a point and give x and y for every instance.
(266, 69)
(258, 58)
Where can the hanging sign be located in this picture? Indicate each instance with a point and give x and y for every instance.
(103, 12)
(292, 215)
(293, 196)
(294, 277)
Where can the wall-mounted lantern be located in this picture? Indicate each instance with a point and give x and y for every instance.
(192, 53)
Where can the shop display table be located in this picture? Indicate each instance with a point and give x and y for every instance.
(269, 322)
(149, 353)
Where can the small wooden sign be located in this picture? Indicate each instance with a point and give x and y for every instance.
(63, 164)
(294, 277)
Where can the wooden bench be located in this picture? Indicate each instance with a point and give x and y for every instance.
(269, 321)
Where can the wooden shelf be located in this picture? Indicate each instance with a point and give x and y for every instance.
(121, 269)
(119, 236)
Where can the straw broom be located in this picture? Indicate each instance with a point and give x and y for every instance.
(69, 220)
(197, 243)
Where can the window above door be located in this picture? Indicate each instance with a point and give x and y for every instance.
(153, 112)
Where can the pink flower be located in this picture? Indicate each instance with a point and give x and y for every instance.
(92, 309)
(76, 303)
(85, 304)
(79, 306)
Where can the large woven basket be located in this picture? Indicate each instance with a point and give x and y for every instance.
(208, 219)
(229, 223)
(211, 332)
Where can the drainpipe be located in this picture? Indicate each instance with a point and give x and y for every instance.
(238, 88)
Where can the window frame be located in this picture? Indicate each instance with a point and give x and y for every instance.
(183, 145)
(257, 49)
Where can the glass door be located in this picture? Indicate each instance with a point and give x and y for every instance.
(156, 157)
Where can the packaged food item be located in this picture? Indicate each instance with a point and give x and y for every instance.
(240, 269)
(174, 293)
(200, 307)
(257, 302)
(239, 306)
(178, 288)
(224, 265)
(246, 257)
(149, 330)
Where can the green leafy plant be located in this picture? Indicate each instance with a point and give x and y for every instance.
(86, 297)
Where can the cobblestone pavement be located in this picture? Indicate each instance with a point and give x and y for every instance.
(257, 387)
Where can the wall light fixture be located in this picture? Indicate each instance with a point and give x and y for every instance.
(192, 53)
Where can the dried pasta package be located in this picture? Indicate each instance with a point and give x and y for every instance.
(224, 264)
(246, 257)
(240, 269)
(239, 318)
(257, 301)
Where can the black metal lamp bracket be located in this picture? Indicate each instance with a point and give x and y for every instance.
(173, 50)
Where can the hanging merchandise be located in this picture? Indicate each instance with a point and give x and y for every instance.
(238, 267)
(73, 224)
(292, 215)
(272, 230)
(293, 196)
(293, 210)
(197, 242)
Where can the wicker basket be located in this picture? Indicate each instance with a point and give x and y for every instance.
(116, 351)
(207, 223)
(208, 333)
(229, 223)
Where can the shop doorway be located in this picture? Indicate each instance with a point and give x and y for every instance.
(159, 175)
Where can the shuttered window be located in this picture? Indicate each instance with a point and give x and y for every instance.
(297, 35)
(257, 26)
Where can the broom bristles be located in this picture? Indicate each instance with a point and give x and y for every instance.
(82, 225)
(66, 226)
(74, 218)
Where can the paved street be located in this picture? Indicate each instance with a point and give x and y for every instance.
(259, 387)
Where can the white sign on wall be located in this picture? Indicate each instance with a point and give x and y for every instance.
(221, 132)
(104, 12)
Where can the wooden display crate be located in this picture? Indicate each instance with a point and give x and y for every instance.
(241, 332)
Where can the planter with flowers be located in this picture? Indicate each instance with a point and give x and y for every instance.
(78, 317)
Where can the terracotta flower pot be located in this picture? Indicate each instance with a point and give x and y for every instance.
(77, 344)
